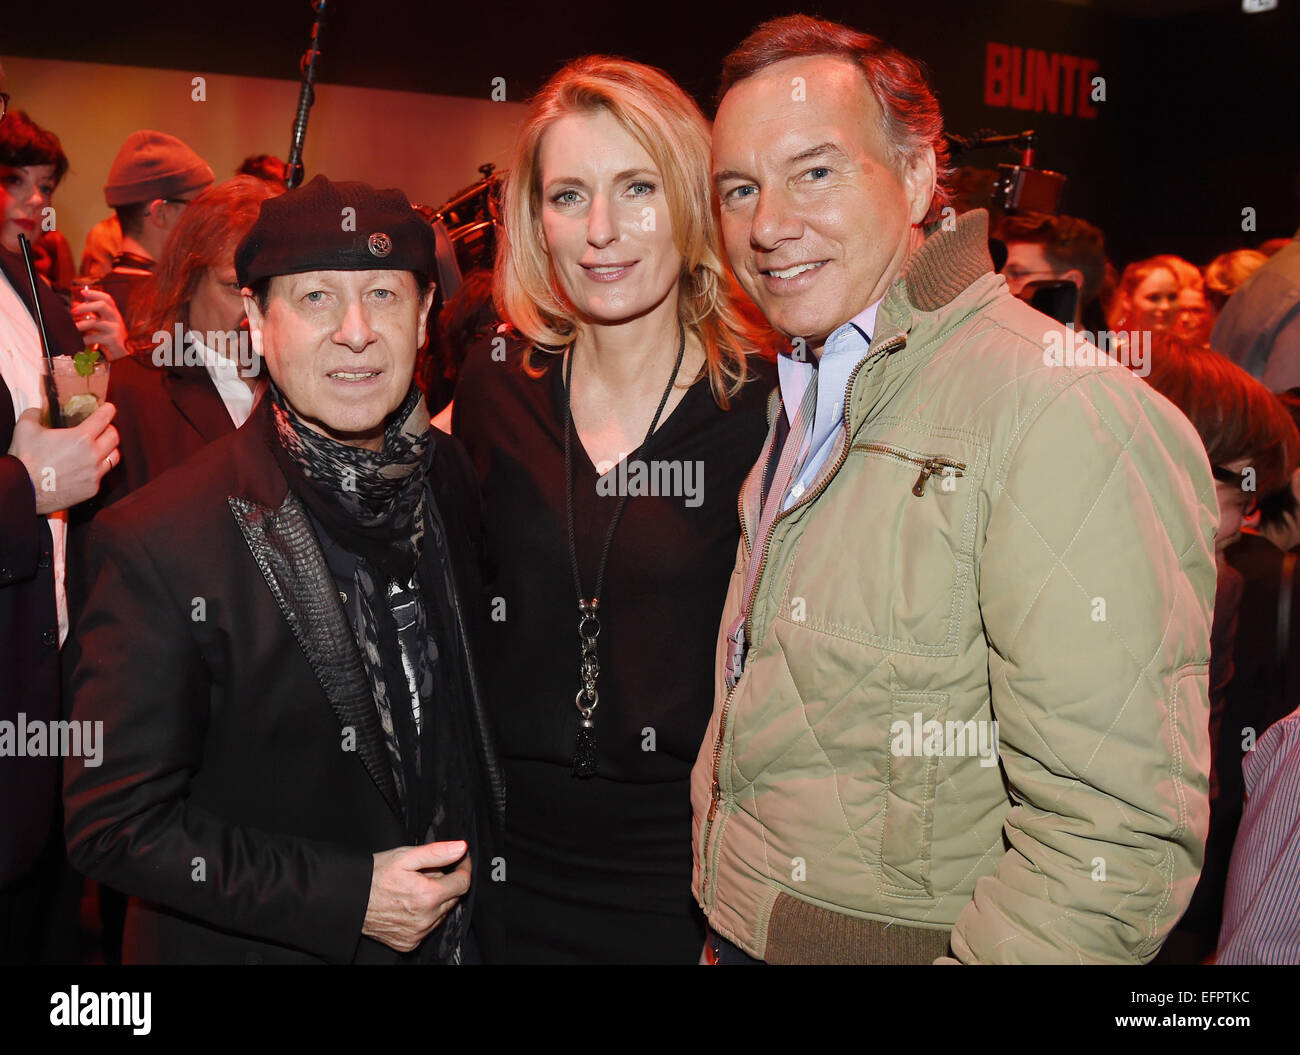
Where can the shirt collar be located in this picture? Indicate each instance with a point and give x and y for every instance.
(843, 350)
(214, 360)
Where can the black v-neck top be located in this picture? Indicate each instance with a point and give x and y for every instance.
(666, 580)
(587, 856)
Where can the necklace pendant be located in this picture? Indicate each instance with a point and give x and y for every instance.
(584, 751)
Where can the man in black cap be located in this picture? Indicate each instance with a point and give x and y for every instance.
(296, 764)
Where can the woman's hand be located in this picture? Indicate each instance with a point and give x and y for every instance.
(99, 321)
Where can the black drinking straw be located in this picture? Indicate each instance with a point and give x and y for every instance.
(51, 390)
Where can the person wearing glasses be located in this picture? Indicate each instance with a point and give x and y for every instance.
(1043, 247)
(153, 178)
(1253, 446)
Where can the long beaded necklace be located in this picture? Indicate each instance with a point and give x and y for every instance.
(584, 751)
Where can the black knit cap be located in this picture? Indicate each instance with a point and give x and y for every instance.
(311, 229)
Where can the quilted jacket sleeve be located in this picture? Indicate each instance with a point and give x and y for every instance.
(1096, 585)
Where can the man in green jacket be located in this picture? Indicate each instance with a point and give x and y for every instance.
(961, 708)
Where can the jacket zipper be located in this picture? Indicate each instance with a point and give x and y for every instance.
(929, 466)
(826, 477)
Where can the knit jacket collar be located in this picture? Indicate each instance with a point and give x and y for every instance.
(947, 264)
(949, 277)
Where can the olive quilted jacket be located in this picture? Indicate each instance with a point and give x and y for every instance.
(998, 539)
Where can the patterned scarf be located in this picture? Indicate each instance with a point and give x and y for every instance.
(372, 503)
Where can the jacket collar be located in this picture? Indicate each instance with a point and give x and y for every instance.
(134, 263)
(948, 262)
(280, 537)
(947, 279)
(933, 280)
(193, 392)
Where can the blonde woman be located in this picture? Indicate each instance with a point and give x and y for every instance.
(1147, 297)
(1227, 271)
(610, 442)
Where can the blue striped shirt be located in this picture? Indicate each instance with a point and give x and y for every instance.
(843, 350)
(1261, 909)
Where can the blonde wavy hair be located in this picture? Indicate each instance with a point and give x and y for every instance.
(1226, 272)
(669, 126)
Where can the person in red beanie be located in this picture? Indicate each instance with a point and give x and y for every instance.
(153, 178)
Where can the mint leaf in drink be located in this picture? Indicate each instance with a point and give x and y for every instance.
(84, 362)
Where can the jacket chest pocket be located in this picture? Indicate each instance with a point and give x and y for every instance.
(884, 556)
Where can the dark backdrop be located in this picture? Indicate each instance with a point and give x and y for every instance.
(1199, 120)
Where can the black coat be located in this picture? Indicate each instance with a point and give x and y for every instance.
(29, 635)
(164, 415)
(29, 658)
(214, 649)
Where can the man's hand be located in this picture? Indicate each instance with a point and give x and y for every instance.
(65, 465)
(410, 894)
